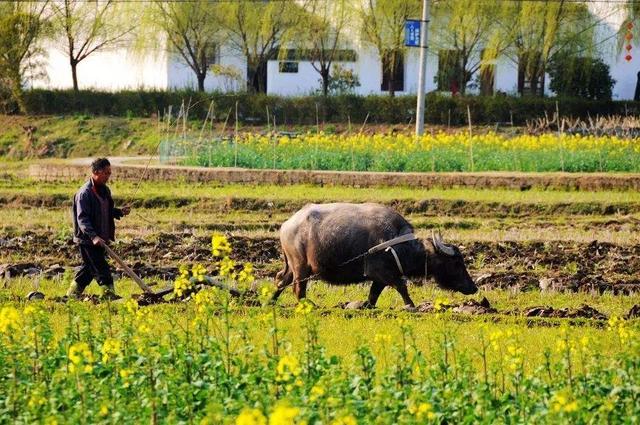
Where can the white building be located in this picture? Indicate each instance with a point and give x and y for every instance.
(125, 69)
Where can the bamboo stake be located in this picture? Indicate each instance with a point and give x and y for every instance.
(235, 139)
(470, 138)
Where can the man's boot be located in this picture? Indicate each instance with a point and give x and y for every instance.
(109, 293)
(75, 291)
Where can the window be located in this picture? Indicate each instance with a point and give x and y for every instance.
(340, 55)
(392, 73)
(288, 67)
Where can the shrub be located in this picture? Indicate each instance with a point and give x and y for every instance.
(587, 78)
(302, 110)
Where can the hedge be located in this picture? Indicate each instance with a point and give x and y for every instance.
(302, 110)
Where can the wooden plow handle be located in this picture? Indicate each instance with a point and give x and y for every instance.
(128, 270)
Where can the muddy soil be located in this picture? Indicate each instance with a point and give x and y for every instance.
(518, 266)
(428, 207)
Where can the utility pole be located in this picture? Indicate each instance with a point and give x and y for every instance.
(422, 72)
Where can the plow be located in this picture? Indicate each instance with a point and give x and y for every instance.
(148, 295)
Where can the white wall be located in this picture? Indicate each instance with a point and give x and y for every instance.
(108, 70)
(180, 76)
(304, 82)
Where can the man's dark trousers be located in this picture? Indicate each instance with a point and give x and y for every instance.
(94, 266)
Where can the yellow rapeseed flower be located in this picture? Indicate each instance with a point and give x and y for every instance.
(288, 368)
(382, 339)
(220, 246)
(9, 319)
(316, 392)
(110, 349)
(227, 268)
(345, 420)
(304, 307)
(251, 417)
(283, 415)
(81, 357)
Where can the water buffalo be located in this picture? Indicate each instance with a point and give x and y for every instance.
(322, 240)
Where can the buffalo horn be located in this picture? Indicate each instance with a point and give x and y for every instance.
(440, 245)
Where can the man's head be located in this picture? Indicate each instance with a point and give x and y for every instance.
(100, 171)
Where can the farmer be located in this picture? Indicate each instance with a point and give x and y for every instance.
(93, 227)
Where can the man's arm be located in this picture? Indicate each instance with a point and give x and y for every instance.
(118, 213)
(83, 216)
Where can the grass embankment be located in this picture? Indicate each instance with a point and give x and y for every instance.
(76, 136)
(85, 135)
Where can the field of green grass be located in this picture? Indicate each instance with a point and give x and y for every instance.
(213, 359)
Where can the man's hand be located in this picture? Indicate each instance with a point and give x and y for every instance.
(98, 241)
(126, 210)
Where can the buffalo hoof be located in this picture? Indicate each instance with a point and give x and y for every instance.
(410, 308)
(358, 305)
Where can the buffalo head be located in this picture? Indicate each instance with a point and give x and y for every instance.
(446, 264)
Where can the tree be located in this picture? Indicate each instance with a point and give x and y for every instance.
(319, 38)
(584, 77)
(541, 30)
(191, 29)
(87, 27)
(256, 30)
(22, 24)
(466, 37)
(382, 23)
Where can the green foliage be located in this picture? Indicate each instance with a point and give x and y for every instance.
(255, 30)
(382, 25)
(343, 81)
(538, 32)
(322, 33)
(207, 364)
(588, 78)
(302, 110)
(190, 30)
(21, 27)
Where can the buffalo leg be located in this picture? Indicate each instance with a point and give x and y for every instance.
(300, 280)
(287, 279)
(374, 292)
(401, 287)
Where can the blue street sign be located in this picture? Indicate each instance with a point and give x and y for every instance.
(412, 33)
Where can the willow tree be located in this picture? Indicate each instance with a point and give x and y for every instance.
(320, 37)
(191, 30)
(22, 25)
(256, 30)
(382, 24)
(87, 27)
(465, 33)
(539, 31)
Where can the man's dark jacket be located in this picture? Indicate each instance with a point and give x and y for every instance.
(87, 214)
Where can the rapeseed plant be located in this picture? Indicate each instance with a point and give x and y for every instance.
(437, 152)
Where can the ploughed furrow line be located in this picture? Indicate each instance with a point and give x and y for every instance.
(428, 207)
(524, 266)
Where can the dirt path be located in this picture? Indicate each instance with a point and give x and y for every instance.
(133, 168)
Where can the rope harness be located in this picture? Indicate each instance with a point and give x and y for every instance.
(387, 246)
